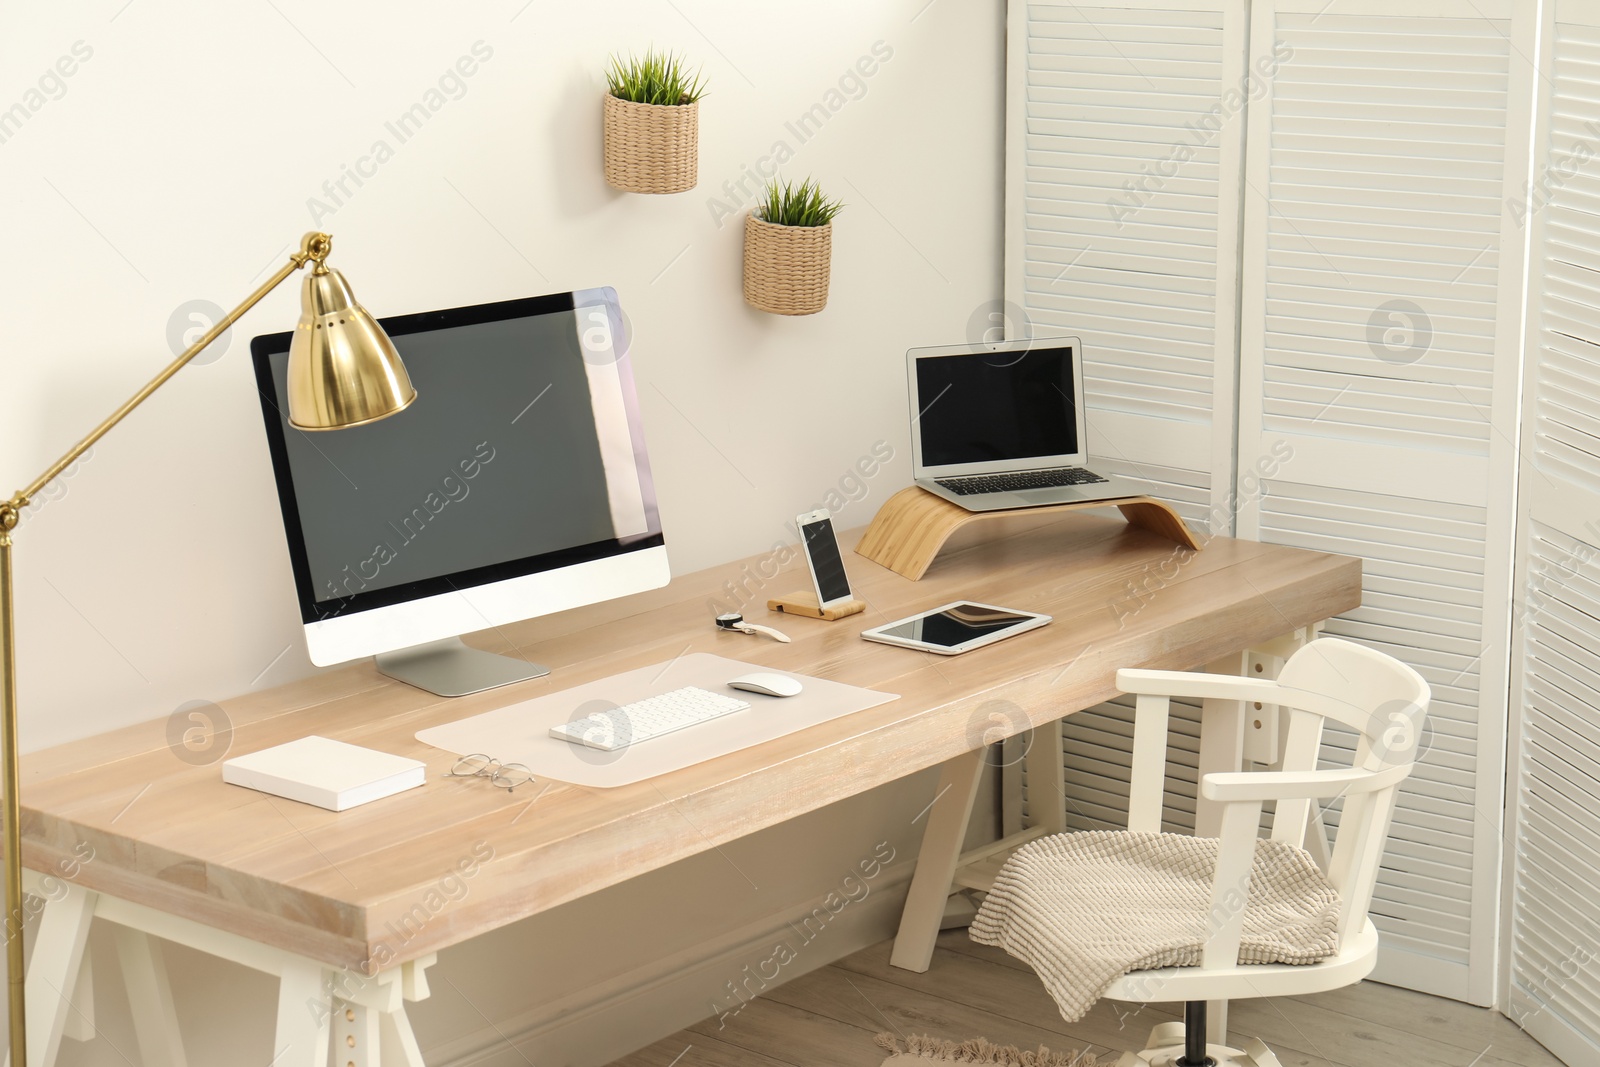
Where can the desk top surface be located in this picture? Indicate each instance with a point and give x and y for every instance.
(170, 834)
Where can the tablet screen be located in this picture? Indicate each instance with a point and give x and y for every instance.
(955, 625)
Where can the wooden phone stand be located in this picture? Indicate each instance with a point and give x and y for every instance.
(805, 603)
(913, 525)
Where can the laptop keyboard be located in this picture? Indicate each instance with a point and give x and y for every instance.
(1018, 480)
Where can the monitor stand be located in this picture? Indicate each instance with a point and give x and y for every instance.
(449, 668)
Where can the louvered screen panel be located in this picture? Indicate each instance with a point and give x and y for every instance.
(1378, 368)
(1555, 929)
(1554, 942)
(1122, 207)
(1184, 490)
(1116, 232)
(1423, 604)
(1566, 371)
(1385, 182)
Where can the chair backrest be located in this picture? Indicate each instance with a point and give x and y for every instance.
(1386, 703)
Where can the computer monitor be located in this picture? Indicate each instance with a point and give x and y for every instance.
(515, 485)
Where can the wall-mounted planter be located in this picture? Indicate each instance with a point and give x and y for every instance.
(786, 267)
(652, 148)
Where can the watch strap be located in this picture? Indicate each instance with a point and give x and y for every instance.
(755, 628)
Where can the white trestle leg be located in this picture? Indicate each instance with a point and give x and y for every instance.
(362, 1018)
(52, 979)
(155, 1019)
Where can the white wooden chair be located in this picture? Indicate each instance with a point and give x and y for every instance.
(1386, 703)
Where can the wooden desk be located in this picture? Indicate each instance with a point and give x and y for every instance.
(317, 897)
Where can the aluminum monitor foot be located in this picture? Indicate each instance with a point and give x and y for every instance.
(449, 668)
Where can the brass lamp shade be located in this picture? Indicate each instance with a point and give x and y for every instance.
(343, 369)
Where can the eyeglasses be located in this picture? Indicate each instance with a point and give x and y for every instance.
(505, 776)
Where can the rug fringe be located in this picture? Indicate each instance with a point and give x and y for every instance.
(980, 1051)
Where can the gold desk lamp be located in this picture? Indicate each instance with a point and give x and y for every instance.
(343, 371)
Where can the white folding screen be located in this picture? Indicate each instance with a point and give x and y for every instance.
(1122, 130)
(1124, 146)
(1369, 236)
(1553, 953)
(1377, 399)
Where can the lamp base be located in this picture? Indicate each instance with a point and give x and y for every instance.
(449, 668)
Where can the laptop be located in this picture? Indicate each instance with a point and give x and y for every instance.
(998, 425)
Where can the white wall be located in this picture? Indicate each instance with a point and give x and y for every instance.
(179, 163)
(176, 163)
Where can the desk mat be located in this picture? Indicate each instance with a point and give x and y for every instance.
(519, 733)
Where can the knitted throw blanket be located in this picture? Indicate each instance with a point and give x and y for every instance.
(1083, 909)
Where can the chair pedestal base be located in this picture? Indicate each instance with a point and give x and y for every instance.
(1165, 1049)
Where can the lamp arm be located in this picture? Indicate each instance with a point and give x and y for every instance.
(314, 247)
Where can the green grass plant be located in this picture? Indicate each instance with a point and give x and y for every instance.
(785, 204)
(654, 78)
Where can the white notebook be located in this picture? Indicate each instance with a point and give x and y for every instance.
(329, 774)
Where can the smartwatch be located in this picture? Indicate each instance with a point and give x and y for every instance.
(734, 621)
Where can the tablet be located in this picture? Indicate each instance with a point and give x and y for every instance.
(956, 628)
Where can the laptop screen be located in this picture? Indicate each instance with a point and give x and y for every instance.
(989, 406)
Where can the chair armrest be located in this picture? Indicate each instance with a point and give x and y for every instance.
(1257, 786)
(1154, 690)
(1230, 885)
(1201, 686)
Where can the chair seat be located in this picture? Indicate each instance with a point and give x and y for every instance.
(1353, 962)
(1084, 908)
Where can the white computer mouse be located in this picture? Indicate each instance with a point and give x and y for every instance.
(768, 684)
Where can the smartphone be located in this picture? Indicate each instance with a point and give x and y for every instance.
(822, 555)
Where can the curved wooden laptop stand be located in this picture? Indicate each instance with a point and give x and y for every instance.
(913, 525)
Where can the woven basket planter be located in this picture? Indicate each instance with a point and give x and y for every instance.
(786, 267)
(652, 148)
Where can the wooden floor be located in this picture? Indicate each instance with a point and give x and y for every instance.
(828, 1019)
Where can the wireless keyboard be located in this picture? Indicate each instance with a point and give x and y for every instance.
(1010, 483)
(644, 719)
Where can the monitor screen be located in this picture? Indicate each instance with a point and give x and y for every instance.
(522, 452)
(990, 406)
